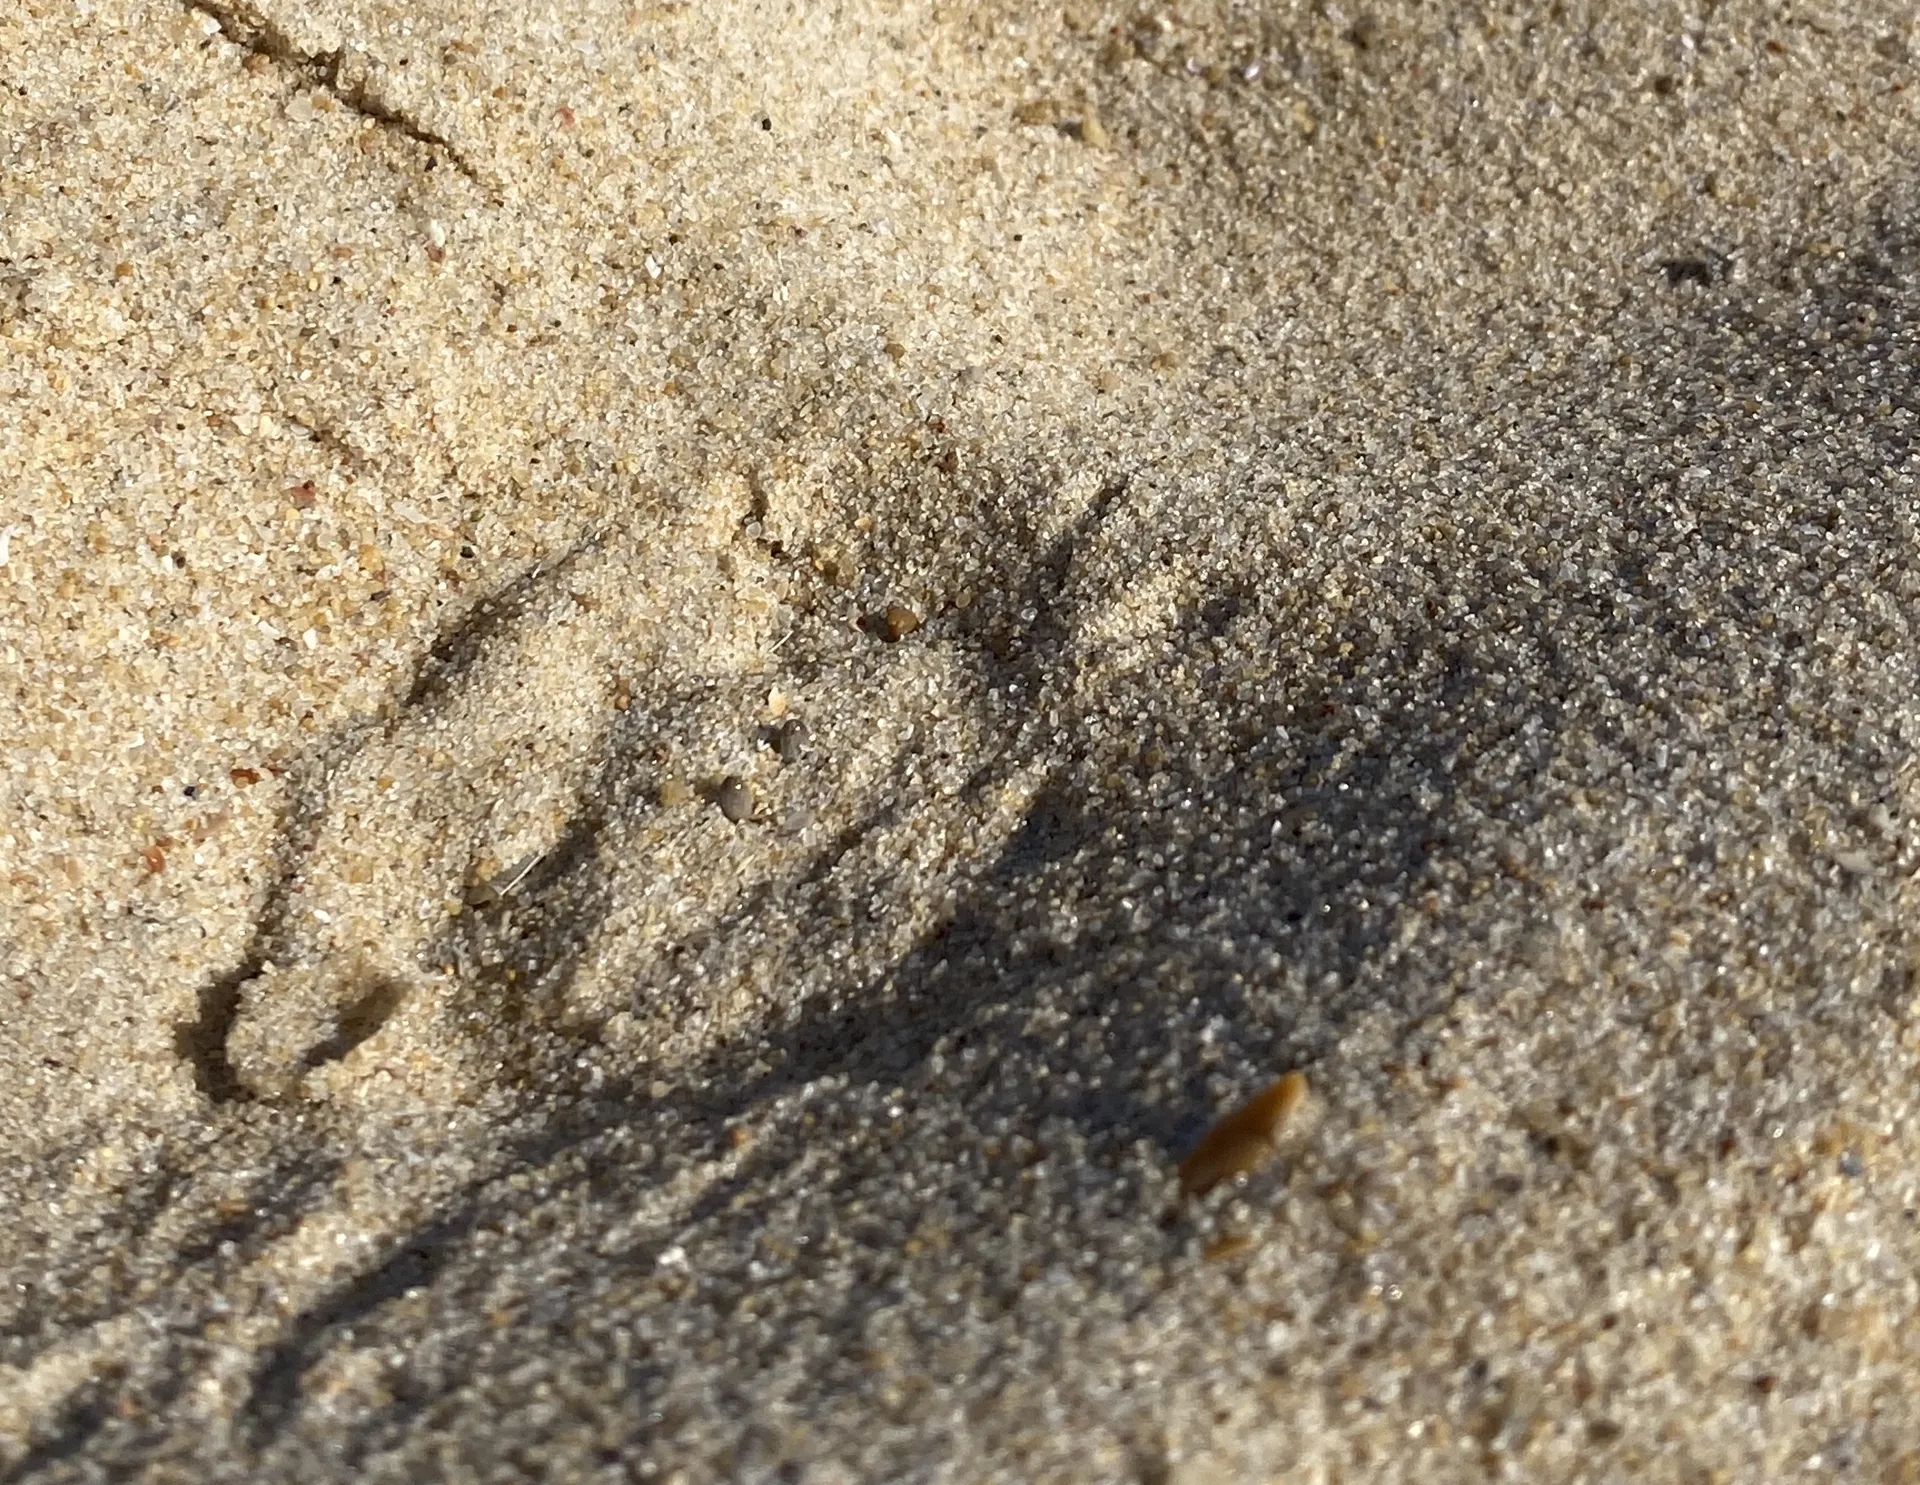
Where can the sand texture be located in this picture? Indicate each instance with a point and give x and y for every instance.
(684, 688)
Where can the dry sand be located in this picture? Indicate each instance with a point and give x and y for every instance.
(686, 685)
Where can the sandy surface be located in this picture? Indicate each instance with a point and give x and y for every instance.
(685, 686)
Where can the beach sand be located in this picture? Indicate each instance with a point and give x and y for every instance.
(685, 688)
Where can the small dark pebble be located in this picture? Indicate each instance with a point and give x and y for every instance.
(735, 800)
(1852, 1165)
(1706, 270)
(791, 741)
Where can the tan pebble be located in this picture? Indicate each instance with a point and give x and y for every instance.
(1092, 131)
(1243, 1140)
(900, 621)
(674, 793)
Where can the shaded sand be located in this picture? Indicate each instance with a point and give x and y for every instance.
(687, 685)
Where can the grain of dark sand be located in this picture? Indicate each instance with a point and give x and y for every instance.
(521, 962)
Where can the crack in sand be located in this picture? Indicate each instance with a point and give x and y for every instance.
(247, 27)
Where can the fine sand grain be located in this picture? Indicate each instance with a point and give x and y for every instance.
(684, 688)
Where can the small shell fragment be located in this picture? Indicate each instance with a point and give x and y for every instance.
(1231, 1246)
(1243, 1140)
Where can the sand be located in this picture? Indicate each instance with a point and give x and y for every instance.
(686, 686)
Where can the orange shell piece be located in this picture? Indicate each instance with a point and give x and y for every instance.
(1243, 1140)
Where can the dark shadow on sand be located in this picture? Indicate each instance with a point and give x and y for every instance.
(1273, 847)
